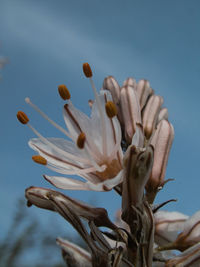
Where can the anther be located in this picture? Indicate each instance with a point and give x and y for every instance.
(87, 70)
(39, 159)
(111, 109)
(81, 140)
(22, 117)
(64, 92)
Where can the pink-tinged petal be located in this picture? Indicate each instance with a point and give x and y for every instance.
(188, 258)
(130, 111)
(67, 183)
(74, 255)
(143, 90)
(168, 225)
(161, 141)
(150, 114)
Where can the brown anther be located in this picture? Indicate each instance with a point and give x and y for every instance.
(39, 159)
(22, 117)
(81, 140)
(87, 70)
(111, 109)
(64, 92)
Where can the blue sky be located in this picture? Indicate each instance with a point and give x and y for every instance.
(47, 42)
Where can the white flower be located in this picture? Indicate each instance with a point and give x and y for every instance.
(94, 151)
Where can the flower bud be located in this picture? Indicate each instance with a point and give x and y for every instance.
(161, 141)
(130, 111)
(112, 85)
(143, 90)
(130, 82)
(150, 114)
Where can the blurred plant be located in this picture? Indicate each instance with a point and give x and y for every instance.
(27, 240)
(124, 146)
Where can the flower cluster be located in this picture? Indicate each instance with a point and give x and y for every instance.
(124, 145)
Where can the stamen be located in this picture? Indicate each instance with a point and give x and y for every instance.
(87, 70)
(39, 159)
(22, 117)
(64, 92)
(111, 109)
(28, 101)
(81, 140)
(88, 73)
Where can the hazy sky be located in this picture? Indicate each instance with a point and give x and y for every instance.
(47, 42)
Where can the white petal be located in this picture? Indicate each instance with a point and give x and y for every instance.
(67, 151)
(66, 183)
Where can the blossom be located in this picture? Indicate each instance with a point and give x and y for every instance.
(94, 151)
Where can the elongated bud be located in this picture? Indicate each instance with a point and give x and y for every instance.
(137, 167)
(87, 70)
(130, 111)
(150, 114)
(111, 109)
(64, 92)
(130, 82)
(22, 117)
(144, 91)
(112, 85)
(161, 141)
(81, 140)
(39, 159)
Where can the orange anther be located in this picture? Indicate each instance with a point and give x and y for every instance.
(87, 70)
(64, 92)
(39, 159)
(22, 117)
(111, 109)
